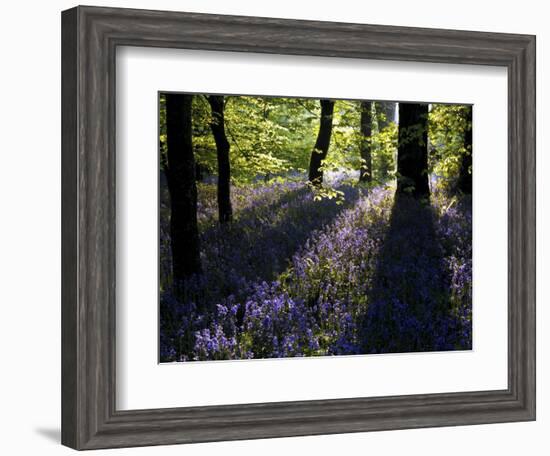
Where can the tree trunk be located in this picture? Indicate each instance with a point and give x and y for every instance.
(387, 111)
(320, 150)
(465, 176)
(222, 147)
(365, 172)
(183, 190)
(412, 151)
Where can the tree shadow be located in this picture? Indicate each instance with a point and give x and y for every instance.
(410, 306)
(260, 242)
(257, 246)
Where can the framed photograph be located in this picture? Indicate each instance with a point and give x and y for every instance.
(283, 228)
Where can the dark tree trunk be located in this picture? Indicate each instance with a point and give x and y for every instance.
(365, 172)
(222, 147)
(320, 150)
(180, 175)
(412, 153)
(465, 176)
(386, 113)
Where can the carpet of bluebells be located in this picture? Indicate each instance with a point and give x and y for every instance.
(296, 276)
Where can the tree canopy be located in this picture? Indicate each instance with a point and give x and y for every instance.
(273, 137)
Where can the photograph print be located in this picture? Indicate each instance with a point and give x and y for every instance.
(298, 227)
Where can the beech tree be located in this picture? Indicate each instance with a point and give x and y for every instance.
(322, 143)
(217, 125)
(180, 174)
(412, 150)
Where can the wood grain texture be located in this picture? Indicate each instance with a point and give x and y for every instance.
(69, 227)
(90, 36)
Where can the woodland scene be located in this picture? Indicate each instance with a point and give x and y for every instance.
(293, 227)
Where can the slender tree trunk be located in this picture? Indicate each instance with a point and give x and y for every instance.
(217, 125)
(365, 172)
(387, 110)
(320, 150)
(412, 152)
(465, 176)
(183, 190)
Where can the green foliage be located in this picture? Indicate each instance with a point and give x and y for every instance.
(345, 142)
(269, 136)
(272, 139)
(323, 191)
(203, 141)
(344, 153)
(446, 127)
(384, 152)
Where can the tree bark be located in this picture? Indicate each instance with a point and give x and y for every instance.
(465, 176)
(217, 125)
(387, 109)
(412, 152)
(365, 172)
(320, 150)
(182, 187)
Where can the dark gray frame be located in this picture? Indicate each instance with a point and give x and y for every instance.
(89, 416)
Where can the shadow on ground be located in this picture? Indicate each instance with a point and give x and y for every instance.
(409, 307)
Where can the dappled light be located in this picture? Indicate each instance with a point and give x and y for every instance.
(313, 228)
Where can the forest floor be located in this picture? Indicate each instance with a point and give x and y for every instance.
(295, 276)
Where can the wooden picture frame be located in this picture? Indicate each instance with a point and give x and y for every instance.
(90, 36)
